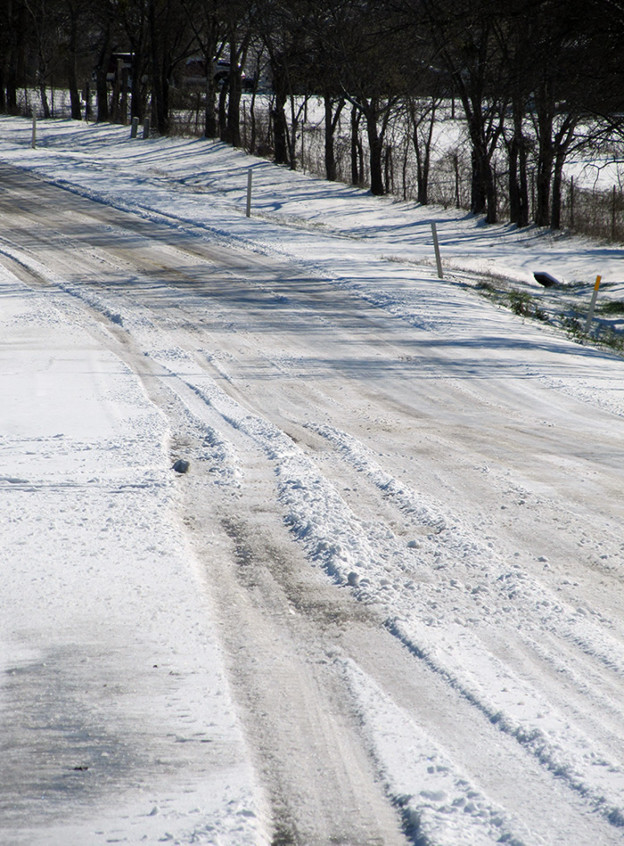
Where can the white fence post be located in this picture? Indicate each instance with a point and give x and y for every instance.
(249, 178)
(592, 305)
(436, 247)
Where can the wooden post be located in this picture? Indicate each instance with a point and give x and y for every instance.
(592, 305)
(33, 142)
(135, 127)
(613, 207)
(436, 247)
(146, 128)
(249, 178)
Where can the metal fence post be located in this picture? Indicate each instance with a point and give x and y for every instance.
(249, 178)
(436, 247)
(592, 305)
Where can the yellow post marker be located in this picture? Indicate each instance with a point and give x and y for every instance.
(592, 305)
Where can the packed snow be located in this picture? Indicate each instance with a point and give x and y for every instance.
(383, 602)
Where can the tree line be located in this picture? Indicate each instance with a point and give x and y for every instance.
(533, 80)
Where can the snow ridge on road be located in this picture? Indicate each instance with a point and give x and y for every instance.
(448, 808)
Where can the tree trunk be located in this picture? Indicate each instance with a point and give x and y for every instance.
(160, 103)
(45, 105)
(422, 177)
(555, 212)
(375, 145)
(331, 122)
(72, 75)
(101, 93)
(211, 126)
(160, 100)
(137, 91)
(15, 59)
(477, 193)
(545, 154)
(483, 200)
(222, 109)
(11, 90)
(291, 136)
(483, 188)
(356, 158)
(523, 220)
(518, 186)
(561, 144)
(388, 168)
(330, 155)
(278, 113)
(422, 149)
(74, 96)
(514, 185)
(543, 181)
(232, 132)
(160, 71)
(253, 132)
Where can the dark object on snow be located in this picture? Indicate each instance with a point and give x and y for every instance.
(181, 466)
(545, 279)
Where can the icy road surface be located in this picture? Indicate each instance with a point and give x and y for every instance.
(383, 606)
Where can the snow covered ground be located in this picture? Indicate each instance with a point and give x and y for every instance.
(384, 604)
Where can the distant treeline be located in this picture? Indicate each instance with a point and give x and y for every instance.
(534, 80)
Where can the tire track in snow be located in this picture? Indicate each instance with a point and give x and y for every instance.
(275, 444)
(365, 559)
(437, 801)
(465, 673)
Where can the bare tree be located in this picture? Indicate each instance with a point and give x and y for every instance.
(370, 45)
(421, 114)
(463, 31)
(207, 21)
(285, 30)
(44, 19)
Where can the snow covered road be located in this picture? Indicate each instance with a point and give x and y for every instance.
(388, 592)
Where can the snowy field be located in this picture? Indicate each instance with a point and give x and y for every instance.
(384, 604)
